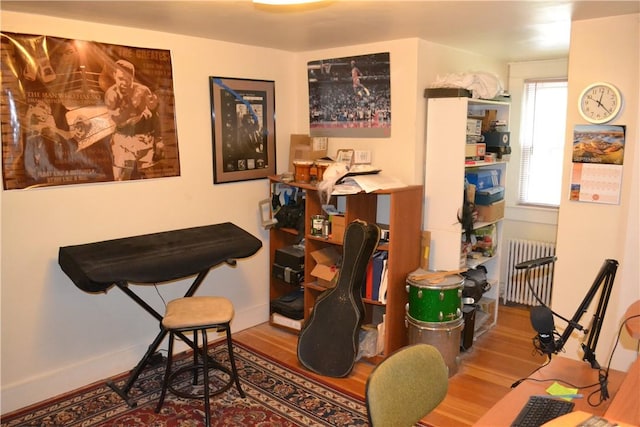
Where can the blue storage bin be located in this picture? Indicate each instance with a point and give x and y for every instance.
(484, 178)
(489, 195)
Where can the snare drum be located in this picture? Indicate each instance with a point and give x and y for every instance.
(435, 302)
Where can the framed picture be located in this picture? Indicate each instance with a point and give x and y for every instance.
(350, 97)
(345, 156)
(243, 126)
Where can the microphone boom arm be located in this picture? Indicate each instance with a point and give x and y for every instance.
(605, 278)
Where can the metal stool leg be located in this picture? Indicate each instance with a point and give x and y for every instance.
(167, 373)
(195, 357)
(205, 367)
(233, 362)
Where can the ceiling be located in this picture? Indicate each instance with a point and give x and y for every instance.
(508, 30)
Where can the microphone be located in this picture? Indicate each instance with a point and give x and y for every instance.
(538, 262)
(542, 322)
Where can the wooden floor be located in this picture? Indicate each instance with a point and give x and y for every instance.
(496, 360)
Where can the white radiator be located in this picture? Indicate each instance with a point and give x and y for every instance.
(541, 278)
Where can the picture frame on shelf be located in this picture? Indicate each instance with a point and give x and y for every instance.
(243, 129)
(345, 156)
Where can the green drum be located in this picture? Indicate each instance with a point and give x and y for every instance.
(435, 302)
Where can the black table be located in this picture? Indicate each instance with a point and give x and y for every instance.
(154, 258)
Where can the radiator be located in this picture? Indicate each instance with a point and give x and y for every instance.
(541, 278)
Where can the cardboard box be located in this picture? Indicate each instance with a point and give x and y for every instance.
(474, 127)
(337, 227)
(475, 151)
(492, 212)
(326, 268)
(490, 116)
(303, 147)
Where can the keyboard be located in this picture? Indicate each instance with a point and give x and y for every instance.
(539, 410)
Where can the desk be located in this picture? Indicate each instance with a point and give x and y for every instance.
(575, 372)
(154, 258)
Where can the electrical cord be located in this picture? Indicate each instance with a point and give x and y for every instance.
(528, 377)
(603, 374)
(155, 285)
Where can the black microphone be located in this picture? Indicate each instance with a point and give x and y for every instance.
(542, 322)
(538, 262)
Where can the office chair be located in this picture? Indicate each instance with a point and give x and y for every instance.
(406, 386)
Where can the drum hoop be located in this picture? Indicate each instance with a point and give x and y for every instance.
(437, 286)
(440, 326)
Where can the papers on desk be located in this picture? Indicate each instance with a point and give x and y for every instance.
(583, 419)
(558, 390)
(367, 183)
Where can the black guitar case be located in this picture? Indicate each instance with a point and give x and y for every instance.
(328, 342)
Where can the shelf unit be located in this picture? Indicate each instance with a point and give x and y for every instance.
(401, 210)
(444, 189)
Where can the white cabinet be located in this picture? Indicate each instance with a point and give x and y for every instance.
(444, 190)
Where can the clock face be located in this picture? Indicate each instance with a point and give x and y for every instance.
(600, 103)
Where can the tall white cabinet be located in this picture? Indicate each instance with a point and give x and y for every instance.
(444, 192)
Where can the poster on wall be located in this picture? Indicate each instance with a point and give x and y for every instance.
(598, 156)
(350, 97)
(243, 128)
(75, 111)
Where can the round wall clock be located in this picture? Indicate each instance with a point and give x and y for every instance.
(600, 102)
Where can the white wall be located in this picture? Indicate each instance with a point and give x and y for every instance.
(56, 337)
(589, 233)
(415, 64)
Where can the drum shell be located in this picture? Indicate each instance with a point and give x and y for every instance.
(445, 336)
(435, 302)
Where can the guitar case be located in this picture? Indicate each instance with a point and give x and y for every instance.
(328, 342)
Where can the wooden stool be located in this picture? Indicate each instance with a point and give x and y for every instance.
(197, 314)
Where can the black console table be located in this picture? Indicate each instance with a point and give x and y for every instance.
(154, 258)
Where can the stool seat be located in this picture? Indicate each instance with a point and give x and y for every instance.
(194, 312)
(197, 314)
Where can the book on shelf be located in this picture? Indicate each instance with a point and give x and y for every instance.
(279, 319)
(375, 284)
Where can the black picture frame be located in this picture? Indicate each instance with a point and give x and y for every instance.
(243, 128)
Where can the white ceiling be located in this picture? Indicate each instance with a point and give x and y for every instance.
(509, 30)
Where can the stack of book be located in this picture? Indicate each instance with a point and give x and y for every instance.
(375, 288)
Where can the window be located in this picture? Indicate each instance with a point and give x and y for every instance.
(542, 133)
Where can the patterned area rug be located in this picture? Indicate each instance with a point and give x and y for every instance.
(275, 397)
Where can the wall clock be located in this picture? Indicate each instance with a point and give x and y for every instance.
(600, 102)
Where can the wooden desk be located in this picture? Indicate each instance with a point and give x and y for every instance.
(562, 369)
(626, 407)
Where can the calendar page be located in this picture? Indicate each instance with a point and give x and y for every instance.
(598, 155)
(596, 183)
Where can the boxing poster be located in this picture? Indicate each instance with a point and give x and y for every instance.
(75, 111)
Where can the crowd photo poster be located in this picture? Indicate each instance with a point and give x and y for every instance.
(77, 111)
(598, 156)
(350, 97)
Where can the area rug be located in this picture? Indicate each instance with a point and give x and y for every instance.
(276, 396)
